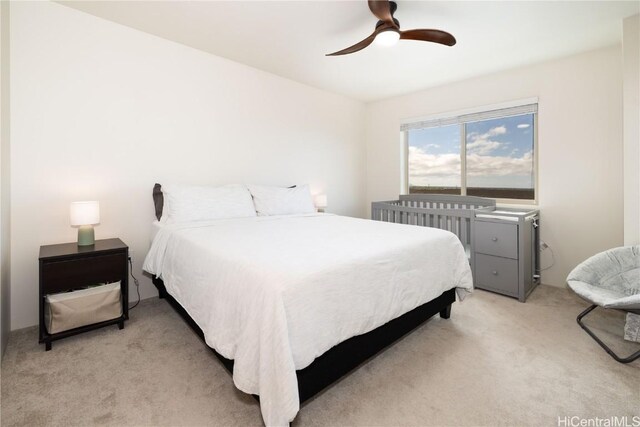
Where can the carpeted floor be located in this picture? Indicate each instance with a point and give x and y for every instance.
(495, 362)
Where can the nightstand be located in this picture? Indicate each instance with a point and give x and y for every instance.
(67, 267)
(506, 251)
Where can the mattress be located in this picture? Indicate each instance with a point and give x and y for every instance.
(273, 293)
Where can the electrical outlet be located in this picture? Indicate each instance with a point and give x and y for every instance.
(131, 254)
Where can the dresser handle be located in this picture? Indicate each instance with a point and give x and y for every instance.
(495, 272)
(495, 239)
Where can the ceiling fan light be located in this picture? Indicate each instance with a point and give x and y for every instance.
(387, 38)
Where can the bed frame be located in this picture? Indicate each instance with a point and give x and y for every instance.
(346, 356)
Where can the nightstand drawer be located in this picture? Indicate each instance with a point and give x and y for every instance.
(497, 239)
(497, 274)
(58, 276)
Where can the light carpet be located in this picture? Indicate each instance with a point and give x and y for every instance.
(495, 362)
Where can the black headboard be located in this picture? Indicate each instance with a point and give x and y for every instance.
(158, 200)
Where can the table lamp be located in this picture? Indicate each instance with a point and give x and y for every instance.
(85, 215)
(321, 202)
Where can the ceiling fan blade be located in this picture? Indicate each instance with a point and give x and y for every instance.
(361, 44)
(382, 10)
(434, 36)
(356, 47)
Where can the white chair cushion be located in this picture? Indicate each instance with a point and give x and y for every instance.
(610, 279)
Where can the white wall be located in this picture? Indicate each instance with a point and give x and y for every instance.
(5, 202)
(631, 63)
(102, 111)
(579, 146)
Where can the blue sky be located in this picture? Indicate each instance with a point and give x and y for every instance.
(499, 154)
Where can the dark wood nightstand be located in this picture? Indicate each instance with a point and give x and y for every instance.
(67, 267)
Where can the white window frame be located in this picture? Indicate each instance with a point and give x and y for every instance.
(445, 118)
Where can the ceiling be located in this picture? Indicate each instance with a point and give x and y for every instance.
(291, 38)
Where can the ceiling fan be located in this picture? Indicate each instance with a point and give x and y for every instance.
(388, 31)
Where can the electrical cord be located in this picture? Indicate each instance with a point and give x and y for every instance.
(553, 259)
(137, 285)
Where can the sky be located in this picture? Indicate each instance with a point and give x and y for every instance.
(499, 154)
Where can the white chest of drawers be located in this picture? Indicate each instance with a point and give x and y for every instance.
(506, 247)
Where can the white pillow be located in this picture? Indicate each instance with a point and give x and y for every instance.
(186, 203)
(282, 201)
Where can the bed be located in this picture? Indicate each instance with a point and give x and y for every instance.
(290, 303)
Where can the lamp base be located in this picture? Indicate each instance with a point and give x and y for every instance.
(86, 236)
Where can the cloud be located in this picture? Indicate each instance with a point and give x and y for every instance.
(425, 164)
(444, 169)
(478, 165)
(498, 130)
(482, 144)
(433, 169)
(523, 125)
(433, 145)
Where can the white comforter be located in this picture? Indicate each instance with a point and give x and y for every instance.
(273, 293)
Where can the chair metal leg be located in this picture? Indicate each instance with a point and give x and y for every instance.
(628, 359)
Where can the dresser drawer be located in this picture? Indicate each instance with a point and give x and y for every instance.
(497, 274)
(60, 276)
(497, 239)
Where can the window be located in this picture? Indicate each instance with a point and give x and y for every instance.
(488, 154)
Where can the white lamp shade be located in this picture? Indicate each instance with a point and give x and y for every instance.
(321, 201)
(84, 213)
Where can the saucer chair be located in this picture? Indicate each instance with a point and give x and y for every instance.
(611, 280)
